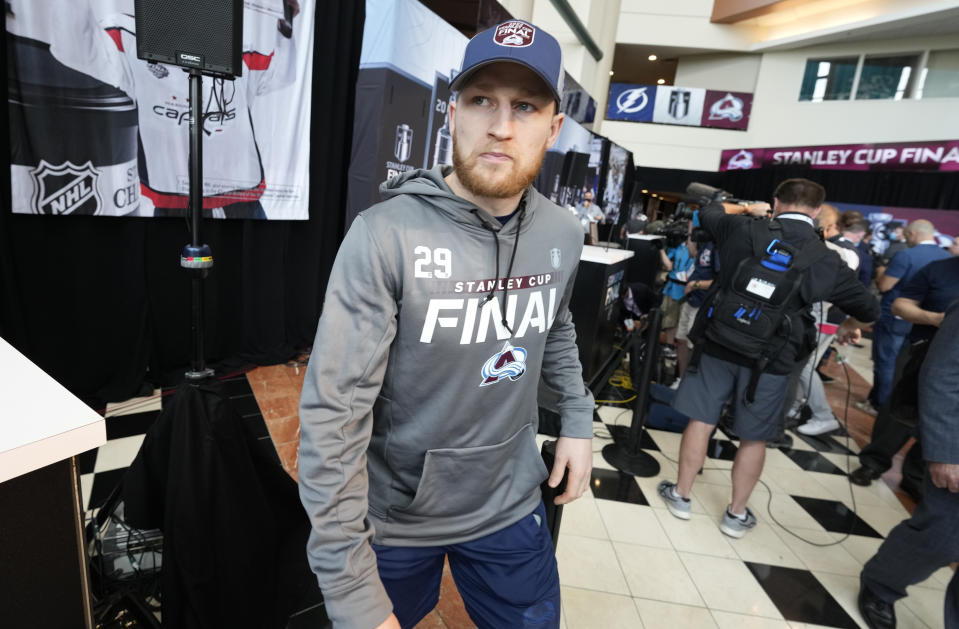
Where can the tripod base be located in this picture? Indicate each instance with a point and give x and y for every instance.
(197, 376)
(637, 464)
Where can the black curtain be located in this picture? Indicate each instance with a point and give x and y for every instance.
(931, 190)
(96, 302)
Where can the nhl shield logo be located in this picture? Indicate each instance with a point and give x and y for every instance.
(555, 258)
(65, 189)
(514, 34)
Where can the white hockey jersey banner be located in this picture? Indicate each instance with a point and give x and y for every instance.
(97, 131)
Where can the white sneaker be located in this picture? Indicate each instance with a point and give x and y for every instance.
(675, 384)
(866, 407)
(819, 426)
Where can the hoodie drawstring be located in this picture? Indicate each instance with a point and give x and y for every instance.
(509, 269)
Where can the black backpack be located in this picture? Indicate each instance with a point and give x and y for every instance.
(752, 314)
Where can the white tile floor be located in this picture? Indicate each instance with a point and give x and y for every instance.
(632, 565)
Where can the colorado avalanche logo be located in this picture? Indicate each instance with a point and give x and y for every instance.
(728, 107)
(514, 34)
(743, 160)
(510, 363)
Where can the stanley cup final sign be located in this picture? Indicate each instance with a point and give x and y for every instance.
(931, 156)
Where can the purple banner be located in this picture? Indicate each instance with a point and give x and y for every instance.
(939, 156)
(727, 110)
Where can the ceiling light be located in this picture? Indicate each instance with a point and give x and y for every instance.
(653, 57)
(645, 191)
(661, 81)
(610, 73)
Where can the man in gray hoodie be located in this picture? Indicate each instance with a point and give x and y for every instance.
(447, 303)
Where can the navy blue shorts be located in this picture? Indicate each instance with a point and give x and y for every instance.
(507, 579)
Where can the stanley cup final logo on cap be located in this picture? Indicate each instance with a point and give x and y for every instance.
(514, 34)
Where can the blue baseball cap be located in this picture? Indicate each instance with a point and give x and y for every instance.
(519, 42)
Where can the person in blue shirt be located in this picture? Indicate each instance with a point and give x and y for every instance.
(705, 269)
(675, 288)
(890, 331)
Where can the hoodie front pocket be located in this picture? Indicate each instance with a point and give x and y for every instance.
(460, 481)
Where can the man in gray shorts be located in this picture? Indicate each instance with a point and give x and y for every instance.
(723, 373)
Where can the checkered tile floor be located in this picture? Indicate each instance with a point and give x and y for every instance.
(624, 561)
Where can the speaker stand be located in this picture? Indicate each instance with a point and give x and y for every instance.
(196, 258)
(629, 457)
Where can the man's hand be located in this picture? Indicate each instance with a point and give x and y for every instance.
(945, 476)
(758, 209)
(849, 332)
(577, 455)
(390, 623)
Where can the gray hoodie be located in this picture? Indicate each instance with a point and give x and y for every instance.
(418, 414)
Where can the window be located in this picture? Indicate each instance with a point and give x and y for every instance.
(887, 77)
(828, 79)
(940, 77)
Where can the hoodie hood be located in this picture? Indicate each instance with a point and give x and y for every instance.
(431, 187)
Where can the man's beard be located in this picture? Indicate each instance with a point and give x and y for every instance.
(509, 180)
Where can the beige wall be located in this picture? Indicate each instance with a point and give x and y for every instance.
(680, 23)
(732, 72)
(600, 19)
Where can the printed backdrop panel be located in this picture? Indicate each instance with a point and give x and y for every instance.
(97, 131)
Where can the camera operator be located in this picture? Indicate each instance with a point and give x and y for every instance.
(753, 331)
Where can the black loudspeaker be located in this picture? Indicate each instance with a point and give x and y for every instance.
(205, 35)
(574, 169)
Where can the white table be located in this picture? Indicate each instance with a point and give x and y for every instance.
(42, 422)
(43, 562)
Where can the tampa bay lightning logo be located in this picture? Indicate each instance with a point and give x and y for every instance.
(631, 101)
(509, 362)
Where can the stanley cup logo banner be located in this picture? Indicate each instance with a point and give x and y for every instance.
(679, 105)
(97, 131)
(408, 60)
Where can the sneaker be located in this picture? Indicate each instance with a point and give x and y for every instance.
(675, 384)
(736, 526)
(866, 407)
(676, 504)
(819, 426)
